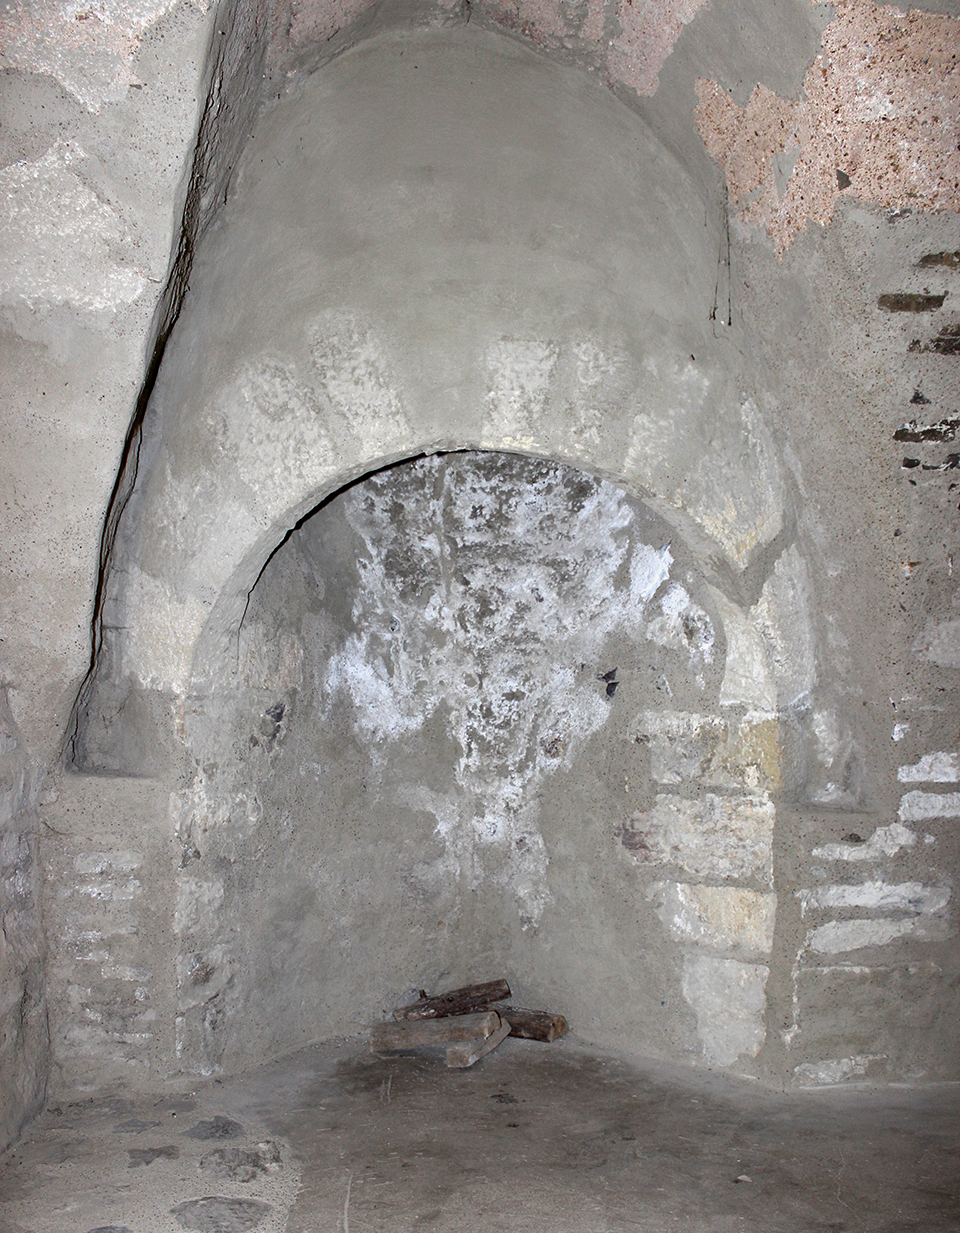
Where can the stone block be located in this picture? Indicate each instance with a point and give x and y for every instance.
(717, 837)
(725, 920)
(728, 999)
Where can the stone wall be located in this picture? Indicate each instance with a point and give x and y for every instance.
(848, 341)
(96, 138)
(105, 193)
(421, 760)
(804, 454)
(110, 894)
(359, 346)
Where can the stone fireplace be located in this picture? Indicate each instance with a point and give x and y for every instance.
(472, 602)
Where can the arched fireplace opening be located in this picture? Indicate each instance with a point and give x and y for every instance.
(455, 694)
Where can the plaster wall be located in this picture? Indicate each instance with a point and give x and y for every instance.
(449, 680)
(95, 144)
(860, 391)
(110, 896)
(542, 286)
(381, 285)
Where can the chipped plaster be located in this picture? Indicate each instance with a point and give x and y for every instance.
(878, 119)
(60, 244)
(728, 998)
(88, 47)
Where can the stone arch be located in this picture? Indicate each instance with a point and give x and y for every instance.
(440, 240)
(377, 754)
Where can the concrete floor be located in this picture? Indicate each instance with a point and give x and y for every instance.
(551, 1138)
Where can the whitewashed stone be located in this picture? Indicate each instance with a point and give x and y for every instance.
(747, 679)
(885, 841)
(840, 936)
(940, 643)
(679, 743)
(519, 372)
(728, 999)
(683, 625)
(720, 836)
(911, 897)
(783, 613)
(106, 862)
(932, 768)
(197, 903)
(723, 919)
(836, 1070)
(920, 806)
(46, 209)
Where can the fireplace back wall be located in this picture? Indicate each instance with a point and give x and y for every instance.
(452, 681)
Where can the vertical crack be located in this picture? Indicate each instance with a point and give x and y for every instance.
(235, 73)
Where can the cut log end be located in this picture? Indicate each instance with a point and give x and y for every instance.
(460, 1057)
(534, 1024)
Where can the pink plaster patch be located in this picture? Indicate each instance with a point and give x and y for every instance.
(315, 21)
(648, 31)
(592, 30)
(879, 120)
(87, 47)
(538, 20)
(549, 23)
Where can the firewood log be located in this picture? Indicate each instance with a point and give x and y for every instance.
(533, 1024)
(456, 1002)
(459, 1057)
(417, 1033)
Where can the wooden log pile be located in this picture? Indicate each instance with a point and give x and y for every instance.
(463, 1021)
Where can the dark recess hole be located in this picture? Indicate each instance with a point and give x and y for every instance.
(944, 430)
(947, 342)
(950, 260)
(910, 302)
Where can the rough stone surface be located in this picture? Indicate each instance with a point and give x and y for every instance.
(109, 856)
(24, 1032)
(365, 364)
(728, 999)
(434, 670)
(216, 1128)
(220, 1214)
(168, 1182)
(237, 1164)
(100, 108)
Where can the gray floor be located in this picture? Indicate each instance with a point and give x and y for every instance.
(535, 1137)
